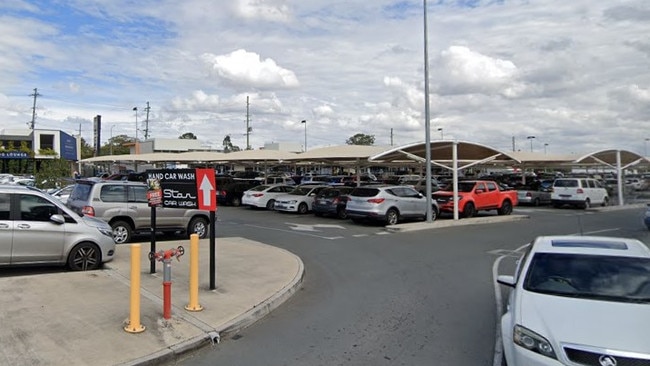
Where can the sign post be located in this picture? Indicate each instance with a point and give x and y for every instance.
(154, 196)
(185, 188)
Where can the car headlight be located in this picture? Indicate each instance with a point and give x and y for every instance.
(293, 202)
(532, 341)
(106, 231)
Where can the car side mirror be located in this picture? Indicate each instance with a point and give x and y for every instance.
(57, 219)
(506, 280)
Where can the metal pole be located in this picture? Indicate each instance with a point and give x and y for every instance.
(305, 122)
(213, 251)
(427, 123)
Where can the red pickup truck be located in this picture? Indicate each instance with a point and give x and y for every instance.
(477, 195)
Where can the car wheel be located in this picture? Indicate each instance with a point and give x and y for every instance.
(122, 232)
(342, 213)
(506, 208)
(84, 257)
(605, 202)
(303, 208)
(236, 201)
(586, 204)
(199, 226)
(270, 205)
(392, 217)
(469, 210)
(434, 214)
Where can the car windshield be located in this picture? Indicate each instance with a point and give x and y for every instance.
(462, 187)
(611, 278)
(262, 187)
(301, 191)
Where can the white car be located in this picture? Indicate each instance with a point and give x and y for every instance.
(580, 192)
(578, 300)
(300, 199)
(264, 195)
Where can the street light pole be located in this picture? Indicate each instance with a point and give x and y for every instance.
(111, 140)
(305, 122)
(442, 133)
(645, 148)
(531, 142)
(136, 124)
(545, 145)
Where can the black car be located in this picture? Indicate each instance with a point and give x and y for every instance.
(230, 191)
(331, 201)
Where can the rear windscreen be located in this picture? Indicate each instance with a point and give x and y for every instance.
(566, 183)
(365, 192)
(80, 192)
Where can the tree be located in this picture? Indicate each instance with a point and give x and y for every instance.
(187, 136)
(87, 151)
(228, 146)
(116, 145)
(361, 139)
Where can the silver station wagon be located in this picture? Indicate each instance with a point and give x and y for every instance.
(37, 229)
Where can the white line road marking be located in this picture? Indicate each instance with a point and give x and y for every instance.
(296, 232)
(305, 227)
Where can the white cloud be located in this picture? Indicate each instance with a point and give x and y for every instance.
(247, 69)
(270, 10)
(461, 70)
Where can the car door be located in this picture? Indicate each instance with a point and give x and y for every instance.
(139, 210)
(36, 238)
(481, 195)
(6, 228)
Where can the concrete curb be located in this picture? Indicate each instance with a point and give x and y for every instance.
(211, 337)
(438, 224)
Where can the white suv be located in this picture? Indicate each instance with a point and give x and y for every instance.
(579, 192)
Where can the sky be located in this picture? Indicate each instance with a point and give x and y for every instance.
(552, 76)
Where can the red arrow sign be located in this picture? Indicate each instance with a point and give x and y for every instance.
(206, 189)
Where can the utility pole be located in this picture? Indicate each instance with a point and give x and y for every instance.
(513, 143)
(248, 128)
(146, 126)
(391, 137)
(35, 95)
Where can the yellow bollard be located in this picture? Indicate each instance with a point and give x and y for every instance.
(134, 325)
(194, 275)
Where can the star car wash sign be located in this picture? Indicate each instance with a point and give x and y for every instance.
(186, 188)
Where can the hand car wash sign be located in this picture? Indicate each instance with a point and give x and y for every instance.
(186, 188)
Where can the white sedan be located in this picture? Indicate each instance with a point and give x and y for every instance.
(579, 300)
(300, 199)
(264, 195)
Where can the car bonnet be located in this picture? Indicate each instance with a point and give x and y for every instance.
(606, 324)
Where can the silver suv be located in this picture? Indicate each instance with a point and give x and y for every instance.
(124, 205)
(37, 229)
(390, 204)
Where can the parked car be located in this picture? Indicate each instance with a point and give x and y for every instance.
(579, 192)
(533, 196)
(578, 300)
(230, 192)
(420, 184)
(277, 179)
(637, 184)
(332, 201)
(37, 229)
(477, 195)
(300, 199)
(63, 193)
(124, 206)
(263, 196)
(390, 204)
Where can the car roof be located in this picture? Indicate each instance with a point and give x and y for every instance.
(591, 245)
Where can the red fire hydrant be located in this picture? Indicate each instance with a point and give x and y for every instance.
(165, 256)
